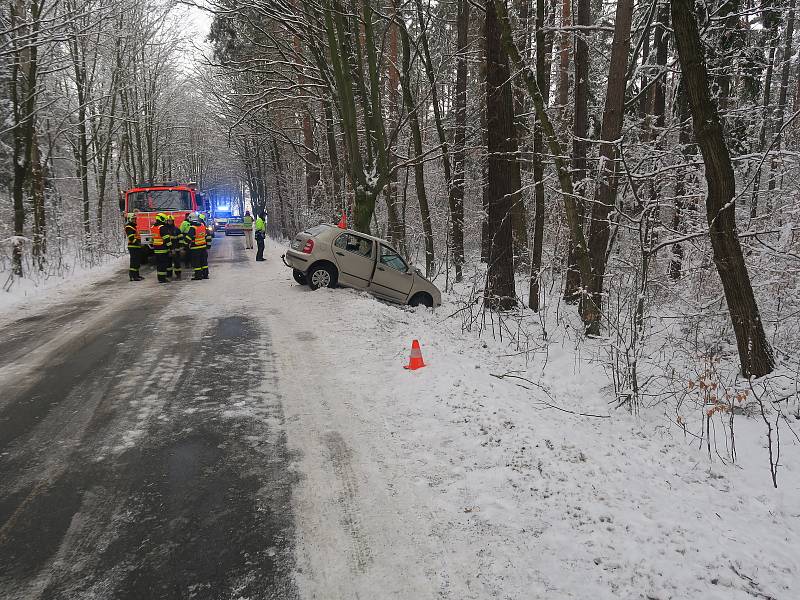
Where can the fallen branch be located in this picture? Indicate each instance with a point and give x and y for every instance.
(547, 404)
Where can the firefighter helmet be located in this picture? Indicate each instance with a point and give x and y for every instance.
(131, 216)
(170, 217)
(161, 218)
(202, 217)
(193, 217)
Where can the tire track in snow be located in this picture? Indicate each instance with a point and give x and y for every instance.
(340, 457)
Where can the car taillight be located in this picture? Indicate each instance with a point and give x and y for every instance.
(309, 247)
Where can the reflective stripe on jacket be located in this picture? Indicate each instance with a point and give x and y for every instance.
(162, 240)
(134, 241)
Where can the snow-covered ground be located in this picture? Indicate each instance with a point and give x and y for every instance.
(26, 293)
(453, 483)
(449, 482)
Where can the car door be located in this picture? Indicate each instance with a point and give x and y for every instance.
(392, 279)
(355, 257)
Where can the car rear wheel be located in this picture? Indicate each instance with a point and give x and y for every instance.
(321, 276)
(299, 276)
(421, 299)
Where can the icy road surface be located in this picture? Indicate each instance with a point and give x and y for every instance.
(245, 438)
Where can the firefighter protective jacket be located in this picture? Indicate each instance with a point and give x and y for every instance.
(197, 236)
(162, 237)
(134, 241)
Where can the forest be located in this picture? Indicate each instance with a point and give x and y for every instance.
(623, 170)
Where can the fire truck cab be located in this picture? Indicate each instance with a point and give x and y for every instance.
(146, 201)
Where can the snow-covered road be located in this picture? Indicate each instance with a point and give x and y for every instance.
(267, 443)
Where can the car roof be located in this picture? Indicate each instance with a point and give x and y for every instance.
(360, 233)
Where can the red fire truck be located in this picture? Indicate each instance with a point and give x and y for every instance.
(147, 201)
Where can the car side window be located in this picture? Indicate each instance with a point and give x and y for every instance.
(392, 259)
(355, 244)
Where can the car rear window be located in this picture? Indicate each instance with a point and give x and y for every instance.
(315, 231)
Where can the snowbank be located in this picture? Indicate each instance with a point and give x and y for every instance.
(25, 294)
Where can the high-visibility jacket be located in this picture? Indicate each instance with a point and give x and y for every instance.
(184, 231)
(248, 222)
(134, 241)
(260, 225)
(162, 238)
(197, 236)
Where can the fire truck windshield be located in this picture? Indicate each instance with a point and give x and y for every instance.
(158, 200)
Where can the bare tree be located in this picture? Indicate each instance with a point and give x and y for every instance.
(755, 353)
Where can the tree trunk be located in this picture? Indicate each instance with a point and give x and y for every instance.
(39, 249)
(396, 223)
(416, 136)
(519, 222)
(342, 60)
(660, 40)
(105, 159)
(606, 190)
(459, 139)
(573, 282)
(681, 187)
(500, 292)
(23, 87)
(784, 91)
(333, 153)
(755, 354)
(563, 67)
(543, 81)
(485, 240)
(311, 158)
(659, 93)
(280, 188)
(644, 98)
(765, 118)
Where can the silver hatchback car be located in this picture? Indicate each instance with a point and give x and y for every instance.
(326, 256)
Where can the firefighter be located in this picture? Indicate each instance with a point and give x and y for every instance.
(207, 246)
(175, 253)
(162, 244)
(134, 248)
(196, 236)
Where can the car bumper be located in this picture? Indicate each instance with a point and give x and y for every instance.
(296, 260)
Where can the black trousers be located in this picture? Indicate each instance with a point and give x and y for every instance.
(196, 256)
(176, 263)
(205, 262)
(260, 244)
(163, 264)
(136, 262)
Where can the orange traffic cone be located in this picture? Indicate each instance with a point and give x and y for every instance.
(343, 221)
(416, 361)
